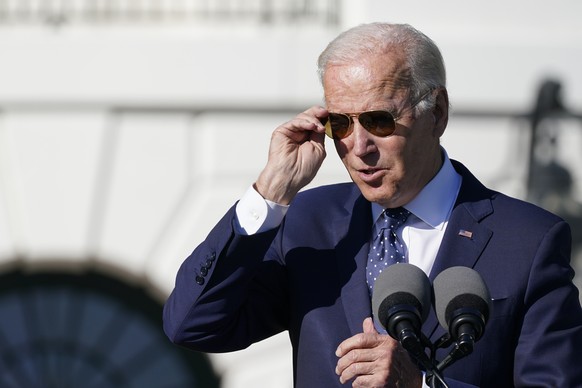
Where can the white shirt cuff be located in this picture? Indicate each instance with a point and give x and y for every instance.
(256, 214)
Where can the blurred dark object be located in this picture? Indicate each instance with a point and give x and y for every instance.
(550, 183)
(64, 330)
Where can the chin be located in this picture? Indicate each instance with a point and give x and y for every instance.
(377, 195)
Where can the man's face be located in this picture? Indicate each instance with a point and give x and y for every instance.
(389, 170)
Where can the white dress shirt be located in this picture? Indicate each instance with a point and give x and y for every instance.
(423, 231)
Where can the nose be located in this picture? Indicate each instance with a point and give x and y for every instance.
(363, 141)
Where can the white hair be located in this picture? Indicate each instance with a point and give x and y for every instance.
(422, 56)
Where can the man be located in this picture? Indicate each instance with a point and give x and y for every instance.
(279, 260)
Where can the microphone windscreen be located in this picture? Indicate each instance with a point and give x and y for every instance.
(460, 287)
(401, 284)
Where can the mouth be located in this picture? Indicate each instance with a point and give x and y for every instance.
(370, 175)
(368, 171)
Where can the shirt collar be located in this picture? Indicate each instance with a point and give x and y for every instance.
(434, 203)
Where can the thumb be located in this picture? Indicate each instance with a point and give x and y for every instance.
(368, 326)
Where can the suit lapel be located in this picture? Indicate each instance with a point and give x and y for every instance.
(465, 238)
(352, 251)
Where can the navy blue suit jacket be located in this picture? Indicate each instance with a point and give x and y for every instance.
(308, 277)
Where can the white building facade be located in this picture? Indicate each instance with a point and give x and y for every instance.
(127, 131)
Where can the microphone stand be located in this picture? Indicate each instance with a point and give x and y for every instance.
(434, 377)
(401, 328)
(462, 347)
(416, 349)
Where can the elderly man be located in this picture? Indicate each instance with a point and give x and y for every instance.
(283, 260)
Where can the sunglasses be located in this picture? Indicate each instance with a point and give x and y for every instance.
(378, 122)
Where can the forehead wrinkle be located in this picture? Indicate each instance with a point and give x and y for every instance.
(375, 80)
(392, 75)
(385, 94)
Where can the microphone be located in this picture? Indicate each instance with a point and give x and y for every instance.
(401, 301)
(462, 305)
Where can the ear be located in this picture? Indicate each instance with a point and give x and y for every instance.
(441, 111)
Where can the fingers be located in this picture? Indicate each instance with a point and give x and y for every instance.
(370, 359)
(365, 365)
(368, 326)
(309, 121)
(296, 153)
(364, 354)
(360, 341)
(318, 112)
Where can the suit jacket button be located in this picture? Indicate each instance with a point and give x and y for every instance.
(199, 280)
(204, 271)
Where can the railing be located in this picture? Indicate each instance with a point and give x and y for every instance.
(161, 12)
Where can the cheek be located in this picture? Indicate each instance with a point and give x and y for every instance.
(341, 148)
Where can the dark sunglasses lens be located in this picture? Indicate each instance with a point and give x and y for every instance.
(379, 123)
(339, 125)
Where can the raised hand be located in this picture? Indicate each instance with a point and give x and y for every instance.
(296, 153)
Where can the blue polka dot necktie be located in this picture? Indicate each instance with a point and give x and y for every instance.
(386, 249)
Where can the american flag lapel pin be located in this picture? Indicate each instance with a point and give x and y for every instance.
(465, 233)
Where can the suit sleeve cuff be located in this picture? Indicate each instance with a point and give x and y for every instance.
(254, 214)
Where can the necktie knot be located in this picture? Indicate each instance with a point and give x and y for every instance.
(393, 218)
